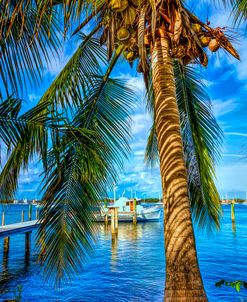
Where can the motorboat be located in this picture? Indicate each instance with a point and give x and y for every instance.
(127, 208)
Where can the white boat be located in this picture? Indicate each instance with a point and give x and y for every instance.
(128, 207)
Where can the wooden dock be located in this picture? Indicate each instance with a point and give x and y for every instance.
(18, 228)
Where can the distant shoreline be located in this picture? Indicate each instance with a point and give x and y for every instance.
(235, 201)
(146, 200)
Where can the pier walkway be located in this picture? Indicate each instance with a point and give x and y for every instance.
(18, 228)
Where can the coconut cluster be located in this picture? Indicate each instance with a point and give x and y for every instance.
(205, 37)
(126, 13)
(134, 25)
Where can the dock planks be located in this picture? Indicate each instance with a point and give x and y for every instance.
(18, 228)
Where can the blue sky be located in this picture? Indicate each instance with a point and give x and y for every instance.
(225, 79)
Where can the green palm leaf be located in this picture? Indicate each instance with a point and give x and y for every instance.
(79, 169)
(23, 48)
(9, 110)
(24, 136)
(81, 158)
(72, 185)
(76, 78)
(239, 10)
(202, 140)
(66, 91)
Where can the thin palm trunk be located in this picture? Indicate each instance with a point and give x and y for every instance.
(183, 278)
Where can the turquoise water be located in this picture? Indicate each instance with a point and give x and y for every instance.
(131, 269)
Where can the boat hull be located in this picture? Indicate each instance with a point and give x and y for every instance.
(146, 215)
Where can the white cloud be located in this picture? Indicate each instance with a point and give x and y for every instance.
(139, 153)
(138, 143)
(141, 123)
(221, 108)
(232, 155)
(235, 133)
(57, 63)
(135, 82)
(207, 83)
(33, 97)
(28, 190)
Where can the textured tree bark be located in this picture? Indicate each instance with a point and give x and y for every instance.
(183, 278)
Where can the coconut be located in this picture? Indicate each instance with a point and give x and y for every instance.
(129, 15)
(196, 27)
(214, 45)
(123, 34)
(133, 47)
(146, 40)
(131, 56)
(204, 40)
(119, 5)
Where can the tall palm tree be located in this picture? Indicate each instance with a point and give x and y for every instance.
(156, 36)
(155, 33)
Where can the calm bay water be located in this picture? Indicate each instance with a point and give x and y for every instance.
(131, 269)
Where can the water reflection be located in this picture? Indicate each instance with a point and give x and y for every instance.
(114, 252)
(126, 236)
(10, 274)
(5, 261)
(234, 227)
(130, 266)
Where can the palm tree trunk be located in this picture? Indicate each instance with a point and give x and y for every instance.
(183, 278)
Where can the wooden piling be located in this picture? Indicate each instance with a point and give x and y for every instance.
(27, 242)
(116, 219)
(37, 214)
(233, 210)
(233, 216)
(6, 245)
(30, 208)
(135, 218)
(3, 218)
(106, 219)
(6, 239)
(113, 230)
(22, 216)
(135, 215)
(234, 227)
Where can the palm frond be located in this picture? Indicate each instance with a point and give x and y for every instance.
(202, 138)
(239, 10)
(24, 136)
(80, 167)
(9, 110)
(23, 50)
(80, 160)
(72, 185)
(69, 87)
(13, 125)
(66, 91)
(13, 12)
(151, 151)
